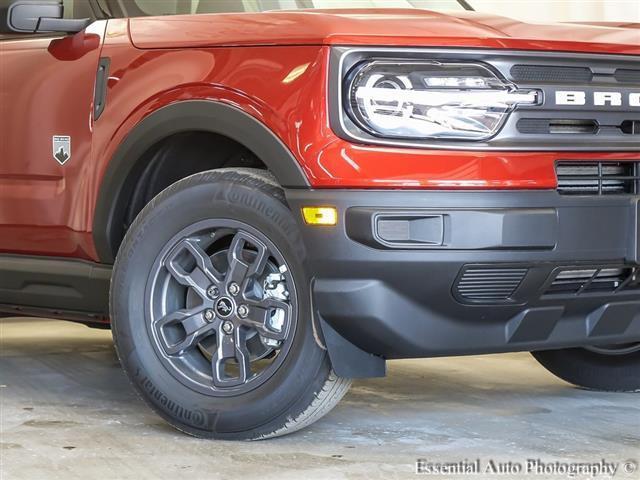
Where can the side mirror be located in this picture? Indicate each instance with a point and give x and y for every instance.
(35, 16)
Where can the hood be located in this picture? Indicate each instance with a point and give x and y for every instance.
(377, 27)
(611, 24)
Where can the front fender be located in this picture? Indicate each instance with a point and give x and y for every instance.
(189, 115)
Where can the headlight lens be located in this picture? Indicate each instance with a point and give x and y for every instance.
(431, 100)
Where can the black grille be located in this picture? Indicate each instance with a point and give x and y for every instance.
(548, 126)
(627, 75)
(543, 73)
(574, 281)
(560, 74)
(630, 127)
(489, 284)
(598, 178)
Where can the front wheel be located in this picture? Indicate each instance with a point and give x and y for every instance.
(614, 368)
(211, 315)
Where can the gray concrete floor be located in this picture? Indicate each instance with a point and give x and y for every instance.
(68, 412)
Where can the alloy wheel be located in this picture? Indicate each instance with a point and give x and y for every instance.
(222, 307)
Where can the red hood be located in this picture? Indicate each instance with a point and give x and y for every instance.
(610, 24)
(380, 27)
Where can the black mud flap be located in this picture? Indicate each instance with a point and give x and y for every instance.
(348, 360)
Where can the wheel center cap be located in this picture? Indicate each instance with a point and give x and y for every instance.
(224, 307)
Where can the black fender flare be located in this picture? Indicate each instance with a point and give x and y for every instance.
(188, 115)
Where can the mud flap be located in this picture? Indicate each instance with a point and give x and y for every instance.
(348, 360)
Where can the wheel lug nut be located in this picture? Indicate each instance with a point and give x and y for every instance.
(234, 288)
(213, 292)
(243, 311)
(227, 327)
(209, 315)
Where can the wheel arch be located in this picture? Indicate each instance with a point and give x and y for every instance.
(118, 182)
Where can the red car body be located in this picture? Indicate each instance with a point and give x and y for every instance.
(303, 195)
(274, 67)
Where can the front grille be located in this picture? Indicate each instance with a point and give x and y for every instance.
(598, 178)
(630, 127)
(551, 73)
(588, 126)
(562, 74)
(627, 75)
(575, 281)
(549, 126)
(489, 284)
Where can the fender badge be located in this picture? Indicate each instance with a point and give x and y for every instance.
(62, 148)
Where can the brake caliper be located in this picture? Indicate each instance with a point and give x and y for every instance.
(275, 286)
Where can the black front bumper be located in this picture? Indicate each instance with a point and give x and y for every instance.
(421, 274)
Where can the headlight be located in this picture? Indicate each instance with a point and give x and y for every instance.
(430, 100)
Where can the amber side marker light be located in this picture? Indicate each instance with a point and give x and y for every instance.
(327, 216)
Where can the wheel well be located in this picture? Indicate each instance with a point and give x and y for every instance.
(175, 141)
(171, 159)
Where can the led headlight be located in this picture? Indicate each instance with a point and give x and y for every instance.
(431, 100)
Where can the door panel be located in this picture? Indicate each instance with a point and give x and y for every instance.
(46, 91)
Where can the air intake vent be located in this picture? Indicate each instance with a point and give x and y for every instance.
(598, 178)
(594, 280)
(627, 75)
(546, 126)
(489, 284)
(541, 73)
(630, 127)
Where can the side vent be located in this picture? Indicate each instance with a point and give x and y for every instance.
(489, 285)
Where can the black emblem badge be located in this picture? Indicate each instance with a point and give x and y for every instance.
(224, 307)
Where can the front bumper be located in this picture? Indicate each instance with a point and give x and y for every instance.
(420, 274)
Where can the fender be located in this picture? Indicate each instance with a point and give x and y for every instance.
(188, 115)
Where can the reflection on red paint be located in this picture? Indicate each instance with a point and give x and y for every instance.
(46, 89)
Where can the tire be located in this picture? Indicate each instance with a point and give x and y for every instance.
(607, 369)
(263, 376)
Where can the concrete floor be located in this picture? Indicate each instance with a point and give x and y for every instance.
(68, 412)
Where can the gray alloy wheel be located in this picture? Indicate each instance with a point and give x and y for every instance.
(222, 307)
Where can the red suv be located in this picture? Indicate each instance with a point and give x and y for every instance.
(266, 204)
